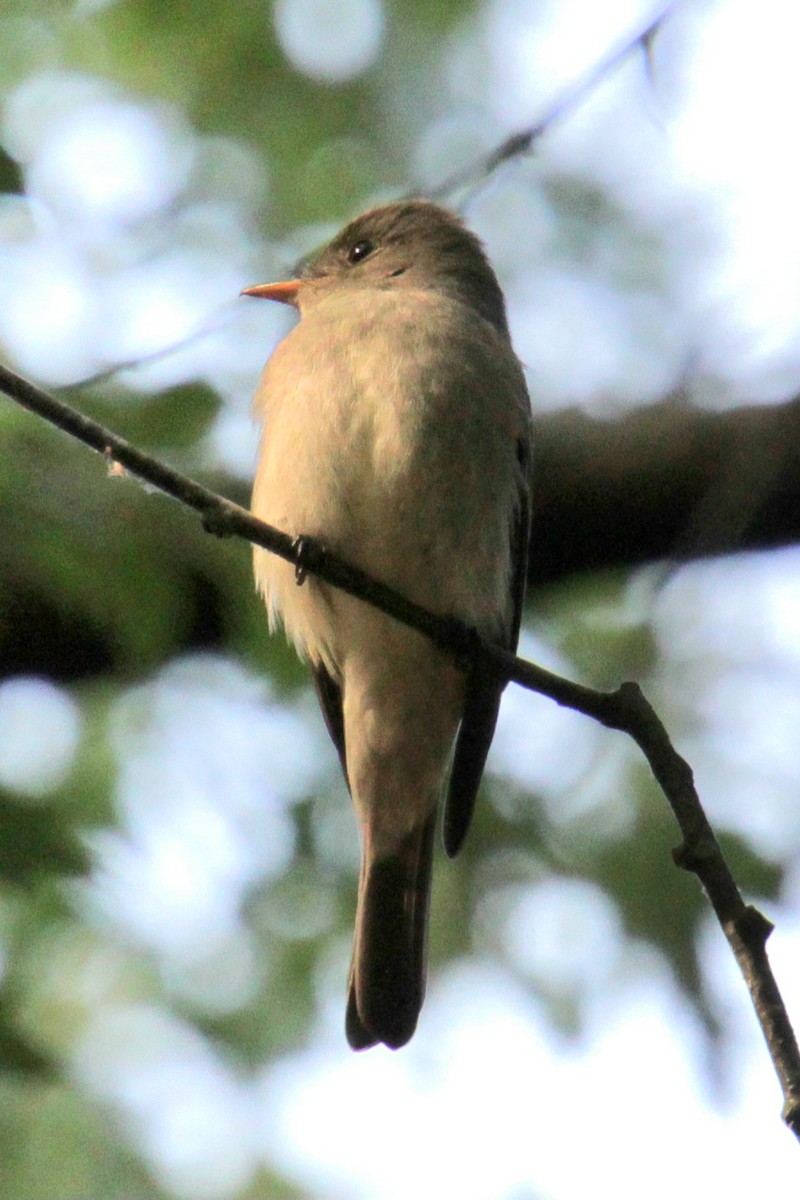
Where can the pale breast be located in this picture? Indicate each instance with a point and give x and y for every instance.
(396, 446)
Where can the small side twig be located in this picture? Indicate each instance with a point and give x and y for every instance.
(514, 146)
(524, 140)
(625, 709)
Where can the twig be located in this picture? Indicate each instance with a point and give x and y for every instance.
(624, 709)
(524, 140)
(217, 319)
(479, 172)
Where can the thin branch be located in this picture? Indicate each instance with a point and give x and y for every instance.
(513, 146)
(217, 319)
(624, 709)
(524, 140)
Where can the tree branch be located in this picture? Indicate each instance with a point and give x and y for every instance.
(667, 481)
(524, 140)
(624, 709)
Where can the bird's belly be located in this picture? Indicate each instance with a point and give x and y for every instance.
(393, 479)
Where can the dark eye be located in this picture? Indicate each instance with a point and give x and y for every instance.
(360, 251)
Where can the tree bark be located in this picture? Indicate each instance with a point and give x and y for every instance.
(666, 482)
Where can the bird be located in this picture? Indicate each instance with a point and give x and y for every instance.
(396, 432)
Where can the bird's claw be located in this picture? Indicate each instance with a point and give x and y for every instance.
(307, 551)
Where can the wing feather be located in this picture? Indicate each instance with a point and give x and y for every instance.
(483, 698)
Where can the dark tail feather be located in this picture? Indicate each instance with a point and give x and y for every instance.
(472, 746)
(387, 978)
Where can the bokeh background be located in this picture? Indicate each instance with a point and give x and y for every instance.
(178, 857)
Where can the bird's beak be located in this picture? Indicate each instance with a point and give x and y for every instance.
(285, 293)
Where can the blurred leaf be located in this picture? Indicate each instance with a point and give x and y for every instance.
(756, 878)
(55, 1146)
(10, 178)
(17, 1055)
(37, 842)
(174, 419)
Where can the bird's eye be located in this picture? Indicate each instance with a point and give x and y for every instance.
(359, 252)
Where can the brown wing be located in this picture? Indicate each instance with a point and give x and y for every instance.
(329, 694)
(483, 700)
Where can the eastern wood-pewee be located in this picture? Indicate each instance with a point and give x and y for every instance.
(396, 430)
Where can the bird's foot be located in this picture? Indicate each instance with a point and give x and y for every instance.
(308, 551)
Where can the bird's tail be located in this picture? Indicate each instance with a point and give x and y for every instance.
(387, 976)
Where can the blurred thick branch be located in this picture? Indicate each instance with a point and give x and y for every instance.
(624, 709)
(668, 481)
